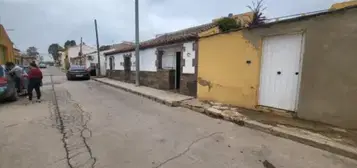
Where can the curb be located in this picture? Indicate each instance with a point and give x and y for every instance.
(329, 146)
(157, 99)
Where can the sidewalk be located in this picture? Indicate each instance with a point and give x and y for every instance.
(332, 139)
(165, 97)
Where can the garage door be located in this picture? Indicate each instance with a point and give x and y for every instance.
(280, 71)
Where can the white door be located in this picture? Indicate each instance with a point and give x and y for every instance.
(280, 71)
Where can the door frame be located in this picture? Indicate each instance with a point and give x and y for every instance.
(302, 53)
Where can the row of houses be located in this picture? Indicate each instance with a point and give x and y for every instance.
(86, 55)
(302, 64)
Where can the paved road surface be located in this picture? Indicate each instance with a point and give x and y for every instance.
(90, 125)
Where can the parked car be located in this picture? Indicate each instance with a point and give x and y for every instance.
(42, 65)
(77, 72)
(7, 86)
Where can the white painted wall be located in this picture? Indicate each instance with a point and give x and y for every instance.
(169, 59)
(147, 60)
(189, 54)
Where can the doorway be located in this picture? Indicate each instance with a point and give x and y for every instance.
(280, 71)
(111, 63)
(127, 68)
(178, 71)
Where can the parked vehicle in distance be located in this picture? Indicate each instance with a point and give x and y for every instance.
(42, 65)
(7, 86)
(77, 72)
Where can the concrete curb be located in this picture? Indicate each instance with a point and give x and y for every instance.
(331, 146)
(323, 144)
(157, 99)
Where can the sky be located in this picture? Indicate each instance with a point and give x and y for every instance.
(40, 23)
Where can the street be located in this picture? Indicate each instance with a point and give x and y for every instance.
(91, 125)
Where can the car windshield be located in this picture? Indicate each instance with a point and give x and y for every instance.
(77, 68)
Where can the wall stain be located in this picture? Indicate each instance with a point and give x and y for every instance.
(204, 82)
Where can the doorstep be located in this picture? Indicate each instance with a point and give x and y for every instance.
(164, 97)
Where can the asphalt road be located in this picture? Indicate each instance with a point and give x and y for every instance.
(90, 125)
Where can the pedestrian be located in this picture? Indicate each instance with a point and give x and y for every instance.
(16, 72)
(35, 81)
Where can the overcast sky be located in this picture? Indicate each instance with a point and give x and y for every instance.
(42, 22)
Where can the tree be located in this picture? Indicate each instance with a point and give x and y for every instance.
(69, 43)
(54, 49)
(258, 17)
(32, 51)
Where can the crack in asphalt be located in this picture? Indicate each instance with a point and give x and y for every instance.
(73, 130)
(187, 149)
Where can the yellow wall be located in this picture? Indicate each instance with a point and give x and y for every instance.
(343, 4)
(223, 72)
(6, 43)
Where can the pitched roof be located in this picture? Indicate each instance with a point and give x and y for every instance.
(168, 38)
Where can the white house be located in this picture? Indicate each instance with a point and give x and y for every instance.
(74, 53)
(91, 59)
(167, 62)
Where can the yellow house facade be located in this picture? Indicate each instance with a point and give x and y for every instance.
(6, 47)
(228, 69)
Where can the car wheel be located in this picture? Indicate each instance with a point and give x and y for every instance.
(68, 78)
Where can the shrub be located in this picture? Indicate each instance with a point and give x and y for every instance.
(227, 24)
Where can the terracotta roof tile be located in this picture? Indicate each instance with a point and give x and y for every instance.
(169, 38)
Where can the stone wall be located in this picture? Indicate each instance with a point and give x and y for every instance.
(162, 79)
(188, 84)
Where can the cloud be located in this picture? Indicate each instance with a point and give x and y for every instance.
(42, 22)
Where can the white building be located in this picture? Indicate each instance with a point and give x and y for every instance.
(167, 62)
(74, 53)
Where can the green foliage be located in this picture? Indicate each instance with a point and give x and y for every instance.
(258, 17)
(227, 24)
(32, 51)
(69, 43)
(54, 49)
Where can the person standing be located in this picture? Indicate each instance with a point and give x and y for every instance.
(17, 71)
(35, 80)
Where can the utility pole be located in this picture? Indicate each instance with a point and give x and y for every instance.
(137, 43)
(80, 52)
(96, 35)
